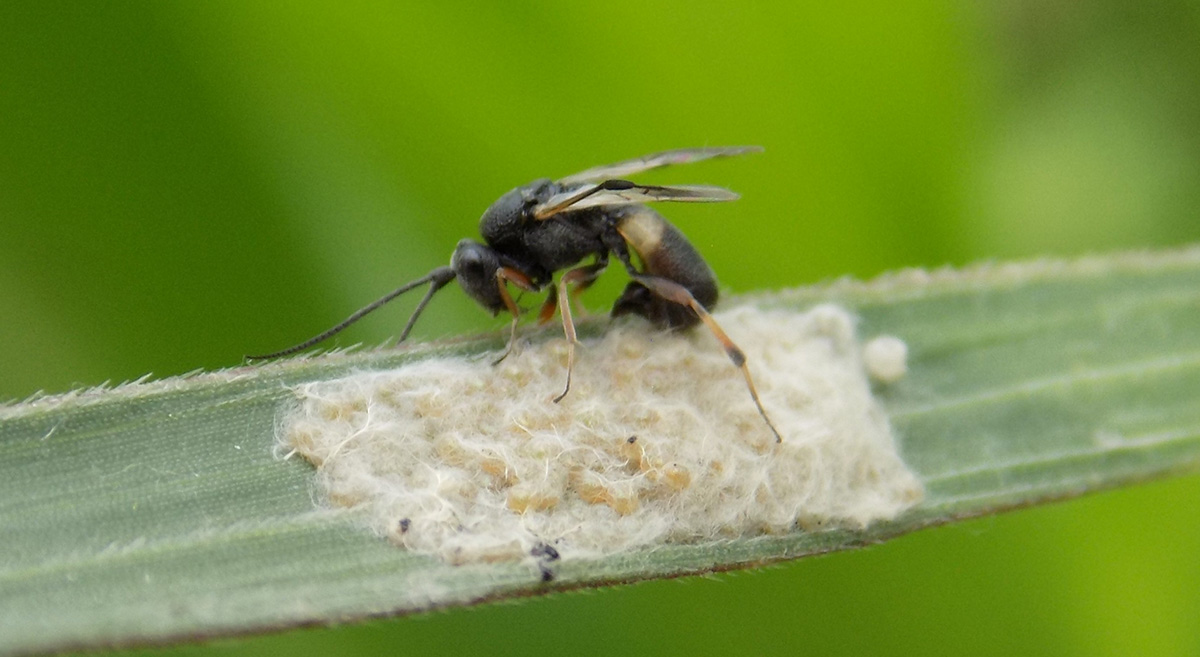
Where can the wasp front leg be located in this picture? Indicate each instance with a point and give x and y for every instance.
(506, 275)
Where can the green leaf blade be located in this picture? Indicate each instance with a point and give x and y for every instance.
(158, 511)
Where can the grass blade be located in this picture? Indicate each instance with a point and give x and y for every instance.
(156, 511)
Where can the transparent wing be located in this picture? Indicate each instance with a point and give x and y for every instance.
(591, 196)
(654, 161)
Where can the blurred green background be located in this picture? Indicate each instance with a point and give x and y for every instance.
(183, 183)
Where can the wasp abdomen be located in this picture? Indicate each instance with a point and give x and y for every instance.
(665, 252)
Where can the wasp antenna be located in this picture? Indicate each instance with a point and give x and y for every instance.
(437, 279)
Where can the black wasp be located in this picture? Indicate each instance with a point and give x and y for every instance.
(546, 226)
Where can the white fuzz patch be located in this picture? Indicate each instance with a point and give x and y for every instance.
(886, 358)
(657, 442)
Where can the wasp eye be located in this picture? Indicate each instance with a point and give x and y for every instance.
(473, 260)
(476, 265)
(472, 263)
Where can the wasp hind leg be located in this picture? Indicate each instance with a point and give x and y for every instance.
(676, 293)
(637, 299)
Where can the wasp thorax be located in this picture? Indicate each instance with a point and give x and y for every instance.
(503, 219)
(476, 265)
(502, 222)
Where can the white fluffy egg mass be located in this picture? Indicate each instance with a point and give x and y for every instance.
(657, 442)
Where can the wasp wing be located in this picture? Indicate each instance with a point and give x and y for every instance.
(654, 161)
(591, 196)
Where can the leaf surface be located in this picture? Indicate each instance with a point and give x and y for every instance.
(156, 511)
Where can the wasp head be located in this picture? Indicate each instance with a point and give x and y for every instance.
(476, 265)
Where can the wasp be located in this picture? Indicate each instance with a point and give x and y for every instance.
(536, 230)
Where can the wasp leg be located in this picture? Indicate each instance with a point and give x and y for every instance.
(591, 274)
(579, 276)
(506, 275)
(549, 305)
(674, 292)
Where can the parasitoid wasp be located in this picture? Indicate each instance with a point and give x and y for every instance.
(547, 226)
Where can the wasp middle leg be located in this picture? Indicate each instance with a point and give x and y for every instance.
(570, 285)
(591, 273)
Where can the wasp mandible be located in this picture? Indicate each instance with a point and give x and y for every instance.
(547, 226)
